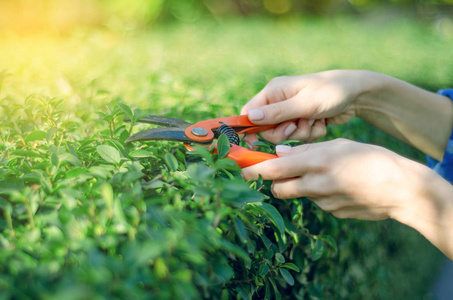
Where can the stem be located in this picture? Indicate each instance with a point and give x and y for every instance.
(130, 130)
(9, 223)
(216, 221)
(308, 234)
(20, 132)
(30, 214)
(62, 137)
(111, 129)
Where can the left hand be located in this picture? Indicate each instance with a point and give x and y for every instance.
(349, 179)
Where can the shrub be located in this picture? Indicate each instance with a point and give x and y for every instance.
(86, 216)
(93, 217)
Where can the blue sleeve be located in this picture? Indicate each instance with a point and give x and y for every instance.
(444, 168)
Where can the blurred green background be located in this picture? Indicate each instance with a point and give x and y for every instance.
(30, 15)
(213, 55)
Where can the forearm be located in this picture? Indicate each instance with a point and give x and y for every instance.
(418, 117)
(429, 210)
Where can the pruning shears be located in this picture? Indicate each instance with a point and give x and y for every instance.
(204, 132)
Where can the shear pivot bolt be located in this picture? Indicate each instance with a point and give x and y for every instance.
(198, 131)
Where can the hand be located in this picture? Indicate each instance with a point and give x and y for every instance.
(309, 99)
(415, 116)
(354, 180)
(349, 179)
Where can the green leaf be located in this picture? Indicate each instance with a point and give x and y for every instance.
(26, 153)
(240, 229)
(5, 205)
(272, 214)
(281, 241)
(107, 194)
(260, 143)
(171, 161)
(223, 271)
(50, 133)
(54, 159)
(227, 164)
(36, 136)
(138, 114)
(116, 144)
(290, 142)
(291, 266)
(71, 158)
(277, 293)
(203, 153)
(32, 177)
(141, 154)
(263, 269)
(223, 146)
(243, 294)
(127, 110)
(317, 249)
(235, 249)
(11, 184)
(72, 173)
(108, 153)
(132, 176)
(279, 259)
(290, 229)
(266, 241)
(287, 276)
(331, 241)
(237, 192)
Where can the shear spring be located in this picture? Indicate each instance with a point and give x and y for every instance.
(233, 137)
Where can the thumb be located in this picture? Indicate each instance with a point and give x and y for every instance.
(284, 150)
(293, 108)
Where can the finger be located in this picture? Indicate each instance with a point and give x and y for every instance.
(318, 130)
(258, 100)
(271, 93)
(308, 147)
(283, 150)
(330, 203)
(287, 188)
(297, 161)
(342, 118)
(279, 133)
(303, 131)
(249, 139)
(275, 112)
(362, 213)
(313, 185)
(326, 147)
(277, 168)
(286, 166)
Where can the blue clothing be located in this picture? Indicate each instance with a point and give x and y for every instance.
(444, 168)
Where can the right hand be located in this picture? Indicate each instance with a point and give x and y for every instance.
(308, 99)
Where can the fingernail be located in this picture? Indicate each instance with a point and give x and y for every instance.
(311, 122)
(283, 149)
(290, 129)
(256, 115)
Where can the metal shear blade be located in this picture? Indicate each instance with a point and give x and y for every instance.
(163, 121)
(170, 134)
(204, 132)
(175, 130)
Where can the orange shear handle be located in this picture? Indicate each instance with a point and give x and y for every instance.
(242, 156)
(233, 121)
(246, 157)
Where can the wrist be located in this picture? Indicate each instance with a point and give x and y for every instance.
(415, 116)
(428, 207)
(372, 89)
